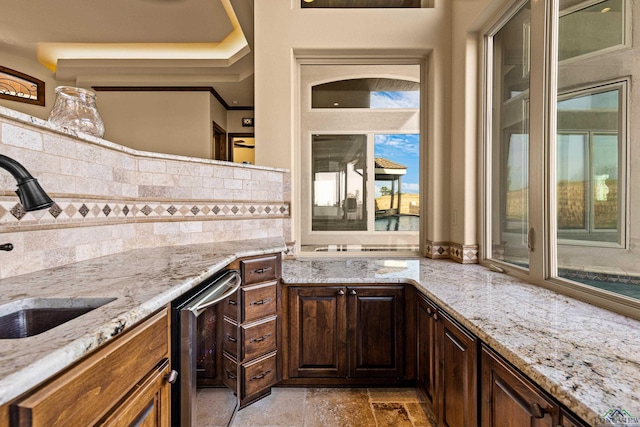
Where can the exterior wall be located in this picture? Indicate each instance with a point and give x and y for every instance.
(112, 199)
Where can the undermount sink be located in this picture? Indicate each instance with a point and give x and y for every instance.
(33, 316)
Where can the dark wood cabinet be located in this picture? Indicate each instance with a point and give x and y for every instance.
(447, 366)
(568, 420)
(375, 319)
(119, 384)
(148, 406)
(457, 352)
(354, 332)
(250, 329)
(317, 332)
(510, 399)
(426, 342)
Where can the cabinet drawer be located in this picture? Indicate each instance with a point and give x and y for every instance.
(230, 337)
(230, 306)
(258, 301)
(230, 372)
(257, 270)
(258, 375)
(258, 338)
(148, 402)
(85, 393)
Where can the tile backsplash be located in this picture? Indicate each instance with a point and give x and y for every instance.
(110, 198)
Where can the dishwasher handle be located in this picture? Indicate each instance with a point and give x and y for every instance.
(223, 287)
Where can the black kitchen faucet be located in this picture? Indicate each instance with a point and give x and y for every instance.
(32, 196)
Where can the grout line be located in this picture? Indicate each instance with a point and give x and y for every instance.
(304, 408)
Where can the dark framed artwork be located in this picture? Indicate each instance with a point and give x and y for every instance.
(20, 87)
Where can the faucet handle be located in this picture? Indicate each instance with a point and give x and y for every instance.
(6, 247)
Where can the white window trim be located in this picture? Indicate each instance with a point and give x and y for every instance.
(543, 87)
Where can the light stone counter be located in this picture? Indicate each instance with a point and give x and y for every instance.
(586, 357)
(142, 281)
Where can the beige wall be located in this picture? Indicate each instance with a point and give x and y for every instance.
(33, 69)
(111, 199)
(234, 121)
(283, 32)
(163, 122)
(468, 19)
(446, 36)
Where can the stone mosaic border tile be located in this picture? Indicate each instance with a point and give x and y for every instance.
(77, 211)
(463, 254)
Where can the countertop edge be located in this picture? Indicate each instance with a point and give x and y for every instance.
(29, 376)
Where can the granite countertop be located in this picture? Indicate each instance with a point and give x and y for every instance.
(142, 281)
(586, 357)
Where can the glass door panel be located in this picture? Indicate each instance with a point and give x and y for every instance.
(339, 182)
(509, 196)
(397, 178)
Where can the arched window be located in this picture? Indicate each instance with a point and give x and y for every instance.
(20, 87)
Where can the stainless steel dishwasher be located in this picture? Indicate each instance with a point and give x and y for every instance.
(196, 344)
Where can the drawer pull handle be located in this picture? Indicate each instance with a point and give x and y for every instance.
(537, 411)
(232, 339)
(353, 292)
(261, 376)
(262, 338)
(340, 292)
(261, 302)
(171, 377)
(262, 270)
(232, 302)
(231, 375)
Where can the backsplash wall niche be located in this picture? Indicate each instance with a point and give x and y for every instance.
(111, 199)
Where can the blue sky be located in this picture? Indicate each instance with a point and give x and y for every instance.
(399, 99)
(403, 149)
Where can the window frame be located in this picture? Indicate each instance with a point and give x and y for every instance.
(622, 85)
(543, 269)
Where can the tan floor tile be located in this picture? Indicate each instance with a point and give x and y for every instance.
(283, 408)
(328, 407)
(334, 407)
(224, 402)
(391, 415)
(395, 395)
(338, 394)
(421, 415)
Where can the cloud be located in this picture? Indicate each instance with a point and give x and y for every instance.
(394, 145)
(399, 99)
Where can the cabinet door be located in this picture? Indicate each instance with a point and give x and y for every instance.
(568, 420)
(317, 332)
(427, 347)
(148, 405)
(376, 331)
(509, 399)
(85, 393)
(457, 393)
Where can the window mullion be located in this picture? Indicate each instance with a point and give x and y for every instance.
(541, 136)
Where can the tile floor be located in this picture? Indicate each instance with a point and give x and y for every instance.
(337, 407)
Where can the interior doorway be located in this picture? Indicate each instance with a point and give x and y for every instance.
(219, 150)
(242, 148)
